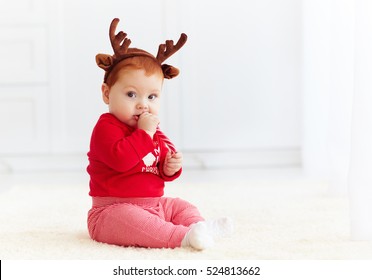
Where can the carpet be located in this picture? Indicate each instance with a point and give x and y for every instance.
(274, 220)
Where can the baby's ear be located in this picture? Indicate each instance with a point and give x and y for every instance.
(105, 93)
(169, 71)
(104, 61)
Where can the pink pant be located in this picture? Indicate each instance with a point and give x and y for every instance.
(158, 222)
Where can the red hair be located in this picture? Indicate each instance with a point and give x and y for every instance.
(146, 63)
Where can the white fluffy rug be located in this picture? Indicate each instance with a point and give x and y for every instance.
(282, 219)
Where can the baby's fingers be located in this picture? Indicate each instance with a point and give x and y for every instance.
(177, 155)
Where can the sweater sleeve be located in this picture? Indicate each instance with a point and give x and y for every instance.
(120, 152)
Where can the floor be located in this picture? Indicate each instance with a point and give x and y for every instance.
(279, 214)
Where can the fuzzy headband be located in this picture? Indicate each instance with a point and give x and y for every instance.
(120, 44)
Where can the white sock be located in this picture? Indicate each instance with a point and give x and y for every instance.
(202, 234)
(221, 227)
(198, 237)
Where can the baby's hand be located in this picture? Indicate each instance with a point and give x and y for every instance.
(173, 163)
(148, 122)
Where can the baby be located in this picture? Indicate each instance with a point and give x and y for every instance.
(130, 158)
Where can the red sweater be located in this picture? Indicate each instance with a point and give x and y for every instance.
(126, 162)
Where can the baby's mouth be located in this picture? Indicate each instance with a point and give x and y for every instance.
(137, 116)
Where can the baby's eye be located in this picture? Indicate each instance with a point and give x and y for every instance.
(153, 96)
(131, 94)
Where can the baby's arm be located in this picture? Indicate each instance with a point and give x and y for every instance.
(118, 150)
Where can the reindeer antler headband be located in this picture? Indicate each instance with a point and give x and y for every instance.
(120, 44)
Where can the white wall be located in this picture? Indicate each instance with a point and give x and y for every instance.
(23, 78)
(241, 81)
(237, 101)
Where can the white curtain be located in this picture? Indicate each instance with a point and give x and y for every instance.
(360, 175)
(337, 102)
(327, 90)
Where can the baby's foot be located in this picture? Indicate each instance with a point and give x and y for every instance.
(202, 234)
(221, 227)
(198, 237)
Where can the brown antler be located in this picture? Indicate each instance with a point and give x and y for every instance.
(119, 42)
(167, 49)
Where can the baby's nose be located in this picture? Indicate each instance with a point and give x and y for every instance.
(142, 105)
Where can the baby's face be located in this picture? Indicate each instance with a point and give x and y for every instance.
(133, 94)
